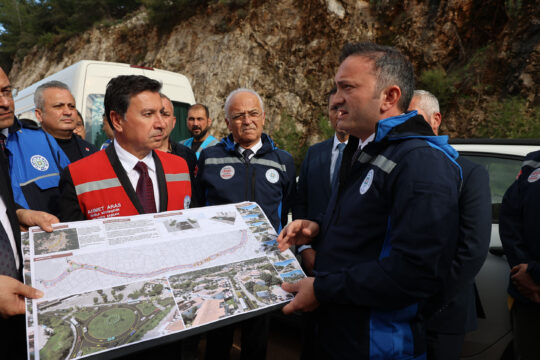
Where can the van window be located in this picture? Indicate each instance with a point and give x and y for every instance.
(95, 109)
(94, 119)
(180, 131)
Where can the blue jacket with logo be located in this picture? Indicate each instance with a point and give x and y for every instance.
(387, 242)
(35, 163)
(518, 222)
(268, 179)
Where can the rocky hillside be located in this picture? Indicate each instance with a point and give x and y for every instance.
(475, 55)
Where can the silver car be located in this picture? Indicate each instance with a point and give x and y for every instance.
(502, 159)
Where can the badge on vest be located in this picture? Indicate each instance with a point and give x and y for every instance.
(366, 184)
(535, 175)
(227, 172)
(39, 163)
(187, 202)
(272, 176)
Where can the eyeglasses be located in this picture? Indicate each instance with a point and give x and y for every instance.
(7, 93)
(253, 114)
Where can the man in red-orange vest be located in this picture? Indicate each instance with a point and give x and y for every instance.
(129, 177)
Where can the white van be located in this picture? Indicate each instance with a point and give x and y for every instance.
(87, 81)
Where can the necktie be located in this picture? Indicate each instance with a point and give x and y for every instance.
(246, 154)
(335, 175)
(7, 262)
(3, 142)
(145, 190)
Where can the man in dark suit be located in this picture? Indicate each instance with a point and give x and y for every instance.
(453, 312)
(318, 177)
(132, 178)
(12, 290)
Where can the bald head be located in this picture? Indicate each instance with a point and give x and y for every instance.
(6, 102)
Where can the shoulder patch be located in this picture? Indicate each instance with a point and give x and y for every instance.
(39, 162)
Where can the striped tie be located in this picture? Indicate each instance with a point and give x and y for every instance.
(145, 190)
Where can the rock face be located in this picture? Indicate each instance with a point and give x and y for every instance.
(288, 50)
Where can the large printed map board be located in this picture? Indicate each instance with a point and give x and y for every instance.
(116, 282)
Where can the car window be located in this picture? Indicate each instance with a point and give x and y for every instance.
(502, 173)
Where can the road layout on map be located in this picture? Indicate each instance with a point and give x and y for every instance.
(72, 274)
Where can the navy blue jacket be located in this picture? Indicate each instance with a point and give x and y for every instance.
(268, 179)
(314, 188)
(455, 306)
(518, 221)
(387, 242)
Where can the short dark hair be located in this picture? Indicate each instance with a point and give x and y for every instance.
(391, 65)
(122, 88)
(200, 106)
(330, 93)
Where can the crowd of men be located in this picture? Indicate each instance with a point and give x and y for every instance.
(391, 225)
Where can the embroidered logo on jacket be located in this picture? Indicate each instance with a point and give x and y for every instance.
(535, 175)
(39, 163)
(227, 172)
(366, 184)
(272, 176)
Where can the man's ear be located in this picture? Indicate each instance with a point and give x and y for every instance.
(436, 121)
(210, 122)
(390, 97)
(38, 115)
(116, 120)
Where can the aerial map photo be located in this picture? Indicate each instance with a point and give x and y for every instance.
(100, 320)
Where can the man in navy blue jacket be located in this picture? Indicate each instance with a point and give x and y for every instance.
(246, 166)
(453, 310)
(518, 227)
(390, 231)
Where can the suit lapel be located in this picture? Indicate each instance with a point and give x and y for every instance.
(325, 161)
(7, 197)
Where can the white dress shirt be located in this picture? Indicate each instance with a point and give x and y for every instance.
(254, 148)
(335, 154)
(7, 227)
(5, 220)
(129, 161)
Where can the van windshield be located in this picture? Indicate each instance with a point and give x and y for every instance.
(93, 118)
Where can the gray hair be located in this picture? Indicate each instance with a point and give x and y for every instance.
(39, 102)
(427, 102)
(237, 91)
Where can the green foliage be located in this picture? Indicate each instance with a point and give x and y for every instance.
(289, 138)
(30, 22)
(325, 128)
(510, 118)
(166, 14)
(440, 84)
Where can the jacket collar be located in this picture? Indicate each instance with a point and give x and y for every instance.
(267, 144)
(410, 125)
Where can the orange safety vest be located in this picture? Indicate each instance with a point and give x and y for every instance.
(101, 195)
